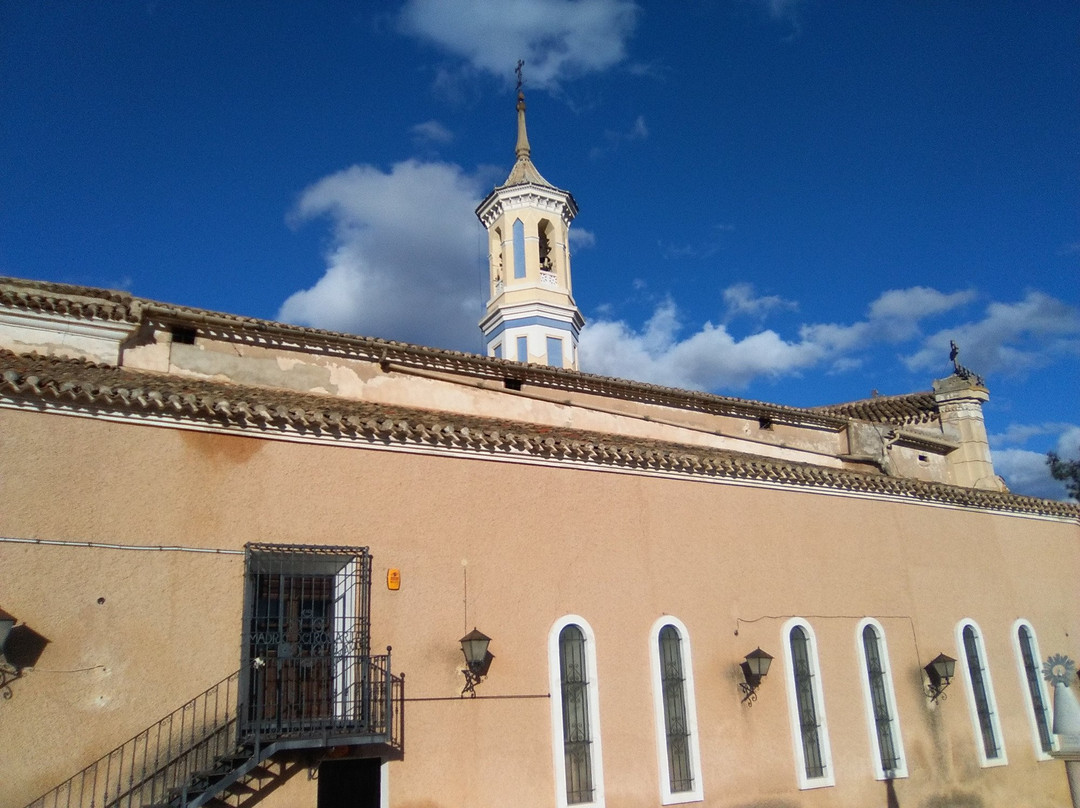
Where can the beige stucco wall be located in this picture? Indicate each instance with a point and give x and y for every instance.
(536, 543)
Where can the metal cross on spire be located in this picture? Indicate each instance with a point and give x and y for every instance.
(517, 72)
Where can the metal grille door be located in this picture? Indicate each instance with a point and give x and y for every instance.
(306, 637)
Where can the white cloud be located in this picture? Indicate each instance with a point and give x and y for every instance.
(580, 238)
(897, 311)
(637, 131)
(405, 260)
(431, 132)
(1025, 470)
(713, 359)
(1068, 444)
(782, 9)
(1067, 436)
(558, 39)
(708, 359)
(740, 299)
(1011, 338)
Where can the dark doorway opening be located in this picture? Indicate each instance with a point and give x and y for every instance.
(349, 783)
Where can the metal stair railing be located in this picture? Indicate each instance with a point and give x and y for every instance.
(144, 768)
(161, 762)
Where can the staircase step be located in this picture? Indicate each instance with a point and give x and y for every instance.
(210, 775)
(234, 759)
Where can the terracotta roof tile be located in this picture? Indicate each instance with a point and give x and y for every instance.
(34, 378)
(57, 297)
(912, 408)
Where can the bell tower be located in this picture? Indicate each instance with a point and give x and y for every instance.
(531, 315)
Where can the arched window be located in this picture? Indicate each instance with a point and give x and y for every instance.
(574, 713)
(882, 719)
(675, 713)
(497, 253)
(980, 692)
(810, 736)
(545, 233)
(1027, 657)
(519, 249)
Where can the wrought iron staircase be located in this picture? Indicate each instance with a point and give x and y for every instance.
(244, 736)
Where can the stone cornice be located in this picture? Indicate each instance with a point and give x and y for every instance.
(75, 385)
(528, 195)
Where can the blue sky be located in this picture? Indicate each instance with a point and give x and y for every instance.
(797, 201)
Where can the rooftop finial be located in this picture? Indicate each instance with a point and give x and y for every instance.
(522, 149)
(960, 370)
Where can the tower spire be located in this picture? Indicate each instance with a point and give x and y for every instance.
(522, 149)
(531, 315)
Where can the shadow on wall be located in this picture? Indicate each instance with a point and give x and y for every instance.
(953, 799)
(24, 646)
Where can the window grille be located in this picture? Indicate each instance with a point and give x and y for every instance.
(804, 696)
(306, 636)
(577, 734)
(884, 723)
(673, 683)
(1031, 672)
(983, 707)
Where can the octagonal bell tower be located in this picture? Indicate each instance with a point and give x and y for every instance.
(531, 315)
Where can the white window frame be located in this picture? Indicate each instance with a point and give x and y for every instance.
(697, 793)
(829, 778)
(555, 684)
(991, 699)
(901, 769)
(1039, 753)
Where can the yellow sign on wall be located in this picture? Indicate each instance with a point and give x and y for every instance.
(393, 579)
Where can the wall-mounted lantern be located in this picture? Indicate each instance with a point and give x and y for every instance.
(939, 671)
(754, 669)
(474, 646)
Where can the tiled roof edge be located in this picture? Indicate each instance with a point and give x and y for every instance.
(908, 408)
(459, 362)
(105, 387)
(59, 297)
(83, 302)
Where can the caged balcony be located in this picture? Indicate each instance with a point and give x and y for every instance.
(307, 683)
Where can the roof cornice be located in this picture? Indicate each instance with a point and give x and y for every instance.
(106, 304)
(83, 387)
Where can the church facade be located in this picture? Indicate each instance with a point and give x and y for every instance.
(253, 563)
